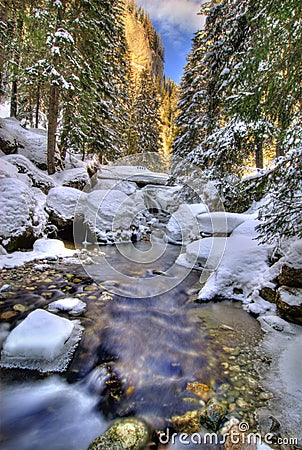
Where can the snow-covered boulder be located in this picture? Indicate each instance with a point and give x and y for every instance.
(128, 187)
(29, 143)
(111, 216)
(162, 198)
(7, 170)
(203, 254)
(220, 223)
(38, 178)
(42, 341)
(76, 178)
(61, 205)
(139, 175)
(183, 226)
(22, 220)
(73, 306)
(291, 271)
(289, 303)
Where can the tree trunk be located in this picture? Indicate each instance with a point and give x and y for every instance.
(37, 106)
(14, 99)
(52, 128)
(259, 152)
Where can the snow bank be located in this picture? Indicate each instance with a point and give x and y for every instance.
(42, 249)
(22, 220)
(38, 178)
(42, 341)
(29, 143)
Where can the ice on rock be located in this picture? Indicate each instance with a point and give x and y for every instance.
(73, 306)
(42, 341)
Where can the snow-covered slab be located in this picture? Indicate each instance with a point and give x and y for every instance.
(76, 178)
(222, 222)
(29, 143)
(61, 204)
(73, 306)
(162, 198)
(38, 178)
(42, 341)
(128, 187)
(21, 218)
(138, 174)
(42, 249)
(183, 226)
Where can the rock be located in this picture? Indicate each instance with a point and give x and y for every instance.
(162, 199)
(76, 178)
(220, 223)
(291, 276)
(7, 170)
(289, 303)
(29, 143)
(37, 177)
(268, 294)
(22, 218)
(183, 226)
(270, 323)
(61, 205)
(137, 174)
(73, 306)
(187, 423)
(213, 414)
(203, 253)
(124, 434)
(128, 187)
(42, 341)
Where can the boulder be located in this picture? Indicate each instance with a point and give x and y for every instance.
(29, 143)
(291, 271)
(162, 199)
(22, 218)
(128, 433)
(7, 170)
(61, 205)
(220, 223)
(289, 303)
(37, 177)
(183, 226)
(137, 174)
(128, 187)
(76, 178)
(42, 341)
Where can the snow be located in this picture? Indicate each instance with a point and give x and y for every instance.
(21, 216)
(61, 202)
(30, 143)
(42, 341)
(293, 257)
(162, 198)
(220, 222)
(5, 109)
(7, 170)
(128, 187)
(73, 306)
(77, 178)
(43, 248)
(38, 177)
(291, 296)
(204, 253)
(132, 173)
(183, 226)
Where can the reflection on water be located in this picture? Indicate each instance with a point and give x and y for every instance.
(137, 355)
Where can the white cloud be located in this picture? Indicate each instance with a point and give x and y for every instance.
(174, 16)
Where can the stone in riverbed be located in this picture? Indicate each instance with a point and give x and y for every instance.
(128, 434)
(289, 303)
(213, 414)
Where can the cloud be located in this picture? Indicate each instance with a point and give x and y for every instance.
(174, 16)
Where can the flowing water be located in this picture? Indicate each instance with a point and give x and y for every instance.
(146, 350)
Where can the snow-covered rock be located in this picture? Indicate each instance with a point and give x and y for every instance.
(183, 226)
(139, 175)
(7, 170)
(76, 178)
(111, 216)
(22, 220)
(128, 187)
(289, 303)
(203, 254)
(29, 143)
(162, 198)
(73, 306)
(220, 223)
(43, 248)
(291, 270)
(42, 341)
(61, 205)
(38, 178)
(270, 323)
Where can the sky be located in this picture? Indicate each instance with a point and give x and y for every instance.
(176, 21)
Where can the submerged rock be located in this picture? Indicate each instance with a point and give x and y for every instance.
(213, 415)
(128, 434)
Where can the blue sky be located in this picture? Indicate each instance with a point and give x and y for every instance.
(176, 21)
